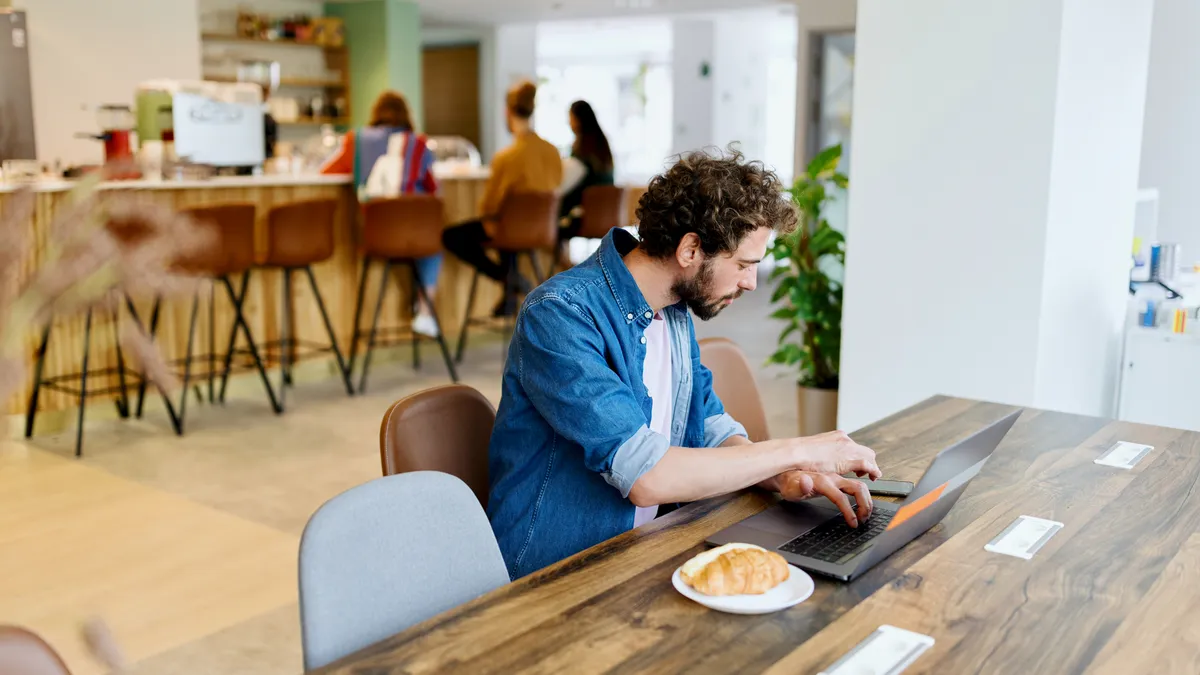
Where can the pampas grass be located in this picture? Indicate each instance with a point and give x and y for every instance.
(87, 265)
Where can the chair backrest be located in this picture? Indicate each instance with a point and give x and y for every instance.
(733, 383)
(603, 209)
(22, 652)
(301, 233)
(232, 247)
(443, 429)
(406, 227)
(528, 220)
(388, 554)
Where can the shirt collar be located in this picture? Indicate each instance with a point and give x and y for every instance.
(630, 301)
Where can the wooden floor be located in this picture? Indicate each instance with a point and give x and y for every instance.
(186, 546)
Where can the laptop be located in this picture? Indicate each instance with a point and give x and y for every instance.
(813, 535)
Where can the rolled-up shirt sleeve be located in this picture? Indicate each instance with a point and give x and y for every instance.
(563, 370)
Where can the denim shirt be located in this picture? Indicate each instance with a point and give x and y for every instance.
(572, 433)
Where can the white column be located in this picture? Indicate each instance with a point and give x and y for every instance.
(513, 57)
(693, 54)
(992, 196)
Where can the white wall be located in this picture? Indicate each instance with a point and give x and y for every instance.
(693, 91)
(740, 82)
(983, 234)
(1171, 136)
(84, 54)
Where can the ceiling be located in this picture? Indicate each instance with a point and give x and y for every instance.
(436, 12)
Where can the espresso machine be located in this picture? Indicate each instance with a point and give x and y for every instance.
(116, 123)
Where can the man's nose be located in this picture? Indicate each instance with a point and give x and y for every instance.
(750, 282)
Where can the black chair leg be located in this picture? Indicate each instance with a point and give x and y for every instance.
(187, 359)
(285, 337)
(240, 322)
(123, 401)
(412, 302)
(358, 305)
(341, 362)
(466, 322)
(537, 272)
(441, 338)
(237, 299)
(383, 284)
(31, 411)
(83, 375)
(212, 342)
(137, 322)
(153, 333)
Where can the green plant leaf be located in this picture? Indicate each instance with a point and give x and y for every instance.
(825, 163)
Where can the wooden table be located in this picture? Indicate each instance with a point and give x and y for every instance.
(1115, 591)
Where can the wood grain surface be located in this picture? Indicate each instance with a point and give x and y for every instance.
(1113, 592)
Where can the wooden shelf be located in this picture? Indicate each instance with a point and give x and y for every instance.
(309, 121)
(286, 81)
(218, 37)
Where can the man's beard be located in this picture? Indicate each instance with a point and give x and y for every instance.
(697, 293)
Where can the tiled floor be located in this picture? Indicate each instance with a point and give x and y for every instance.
(187, 546)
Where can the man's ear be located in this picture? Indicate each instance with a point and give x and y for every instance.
(688, 253)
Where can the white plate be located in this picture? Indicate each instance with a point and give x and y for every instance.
(791, 592)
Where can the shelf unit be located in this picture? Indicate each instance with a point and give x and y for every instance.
(221, 37)
(287, 81)
(336, 60)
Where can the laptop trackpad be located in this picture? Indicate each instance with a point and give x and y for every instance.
(792, 519)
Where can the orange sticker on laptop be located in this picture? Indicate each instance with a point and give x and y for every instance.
(909, 510)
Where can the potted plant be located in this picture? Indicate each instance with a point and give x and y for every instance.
(809, 293)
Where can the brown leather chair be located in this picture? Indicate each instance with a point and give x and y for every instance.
(443, 429)
(22, 652)
(397, 232)
(528, 223)
(733, 383)
(230, 252)
(298, 235)
(603, 209)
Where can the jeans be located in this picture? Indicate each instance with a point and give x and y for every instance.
(467, 242)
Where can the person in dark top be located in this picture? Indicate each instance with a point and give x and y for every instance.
(591, 153)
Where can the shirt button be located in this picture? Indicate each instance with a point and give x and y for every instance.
(643, 339)
(629, 317)
(649, 315)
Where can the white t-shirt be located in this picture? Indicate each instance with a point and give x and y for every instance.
(656, 375)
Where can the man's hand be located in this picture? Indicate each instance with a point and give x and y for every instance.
(834, 452)
(796, 486)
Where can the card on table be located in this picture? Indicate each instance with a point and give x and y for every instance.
(1024, 537)
(1124, 455)
(887, 651)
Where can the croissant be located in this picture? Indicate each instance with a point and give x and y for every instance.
(735, 569)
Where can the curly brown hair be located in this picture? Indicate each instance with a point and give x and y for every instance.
(718, 196)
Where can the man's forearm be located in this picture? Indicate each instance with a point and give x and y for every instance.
(691, 474)
(770, 484)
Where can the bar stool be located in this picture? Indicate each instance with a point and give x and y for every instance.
(299, 235)
(231, 253)
(604, 208)
(397, 232)
(127, 234)
(528, 223)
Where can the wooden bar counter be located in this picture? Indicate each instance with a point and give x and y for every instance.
(338, 277)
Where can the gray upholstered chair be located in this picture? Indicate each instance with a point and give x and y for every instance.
(388, 554)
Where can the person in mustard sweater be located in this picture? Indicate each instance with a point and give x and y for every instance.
(530, 164)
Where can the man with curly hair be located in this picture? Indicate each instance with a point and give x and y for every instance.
(606, 411)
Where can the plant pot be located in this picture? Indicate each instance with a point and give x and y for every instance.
(818, 410)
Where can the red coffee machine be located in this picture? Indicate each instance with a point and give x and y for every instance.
(116, 124)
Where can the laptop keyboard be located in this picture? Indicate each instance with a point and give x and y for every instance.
(834, 540)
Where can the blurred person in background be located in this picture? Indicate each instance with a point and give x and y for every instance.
(530, 164)
(407, 169)
(590, 164)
